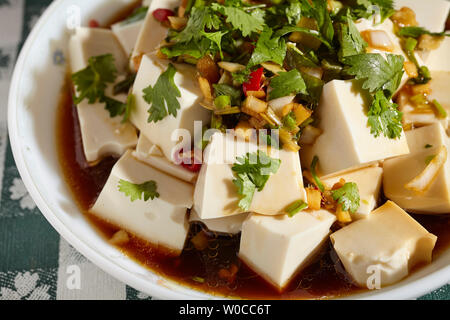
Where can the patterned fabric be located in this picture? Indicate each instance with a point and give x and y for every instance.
(35, 262)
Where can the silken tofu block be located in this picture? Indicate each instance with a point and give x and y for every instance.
(171, 133)
(161, 221)
(101, 135)
(127, 34)
(439, 85)
(215, 194)
(152, 32)
(91, 42)
(399, 171)
(346, 141)
(231, 224)
(430, 14)
(152, 155)
(277, 247)
(388, 244)
(369, 182)
(438, 59)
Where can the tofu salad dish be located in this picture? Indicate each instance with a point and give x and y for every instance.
(273, 149)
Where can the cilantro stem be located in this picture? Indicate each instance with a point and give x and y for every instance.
(314, 174)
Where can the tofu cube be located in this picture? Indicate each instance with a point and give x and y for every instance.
(91, 42)
(161, 133)
(383, 248)
(229, 225)
(101, 135)
(152, 155)
(152, 32)
(437, 59)
(215, 194)
(127, 34)
(401, 170)
(369, 183)
(430, 14)
(161, 221)
(346, 141)
(278, 247)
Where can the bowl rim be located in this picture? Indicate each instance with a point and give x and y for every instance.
(410, 290)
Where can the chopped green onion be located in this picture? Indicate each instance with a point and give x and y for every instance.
(222, 102)
(296, 207)
(410, 44)
(441, 111)
(289, 121)
(314, 174)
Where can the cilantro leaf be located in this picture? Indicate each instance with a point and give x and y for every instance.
(415, 32)
(114, 107)
(322, 16)
(377, 73)
(350, 39)
(241, 76)
(124, 85)
(216, 37)
(287, 83)
(347, 196)
(246, 189)
(91, 82)
(240, 19)
(200, 18)
(384, 117)
(268, 48)
(293, 12)
(194, 48)
(366, 8)
(135, 191)
(163, 96)
(252, 173)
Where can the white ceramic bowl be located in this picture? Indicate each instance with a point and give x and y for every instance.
(33, 99)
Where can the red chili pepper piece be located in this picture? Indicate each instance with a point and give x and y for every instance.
(254, 82)
(93, 23)
(188, 162)
(163, 14)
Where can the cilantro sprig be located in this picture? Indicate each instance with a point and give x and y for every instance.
(416, 32)
(376, 72)
(287, 83)
(252, 172)
(384, 117)
(146, 190)
(91, 82)
(347, 196)
(162, 97)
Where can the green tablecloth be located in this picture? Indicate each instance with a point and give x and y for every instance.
(34, 259)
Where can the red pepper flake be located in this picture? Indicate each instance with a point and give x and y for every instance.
(94, 23)
(163, 15)
(188, 162)
(254, 82)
